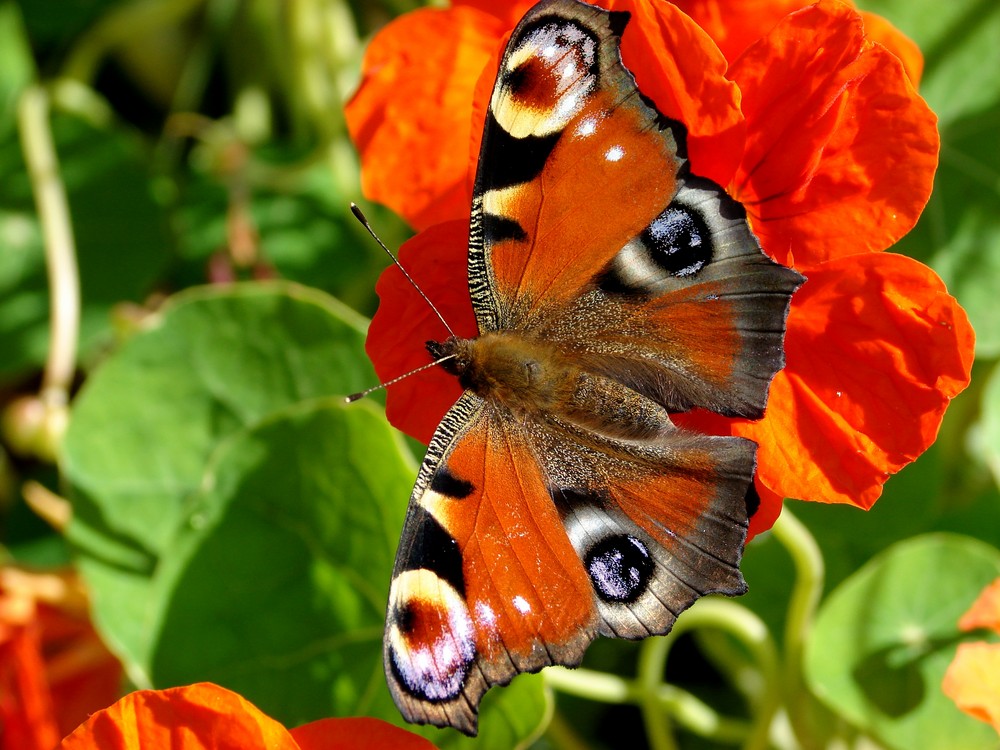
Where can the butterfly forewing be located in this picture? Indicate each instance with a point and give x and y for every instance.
(589, 230)
(564, 112)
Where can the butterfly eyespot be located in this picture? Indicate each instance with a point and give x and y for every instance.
(620, 567)
(677, 245)
(430, 636)
(547, 79)
(679, 241)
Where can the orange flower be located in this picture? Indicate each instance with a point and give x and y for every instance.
(54, 670)
(973, 678)
(813, 126)
(736, 24)
(203, 716)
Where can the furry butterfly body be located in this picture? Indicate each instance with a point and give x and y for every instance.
(558, 501)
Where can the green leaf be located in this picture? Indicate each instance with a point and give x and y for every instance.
(213, 362)
(959, 232)
(883, 640)
(275, 583)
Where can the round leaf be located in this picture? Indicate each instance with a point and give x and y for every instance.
(884, 638)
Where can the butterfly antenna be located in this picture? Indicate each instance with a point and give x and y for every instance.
(364, 222)
(357, 396)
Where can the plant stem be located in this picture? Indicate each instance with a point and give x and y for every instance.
(809, 573)
(652, 663)
(589, 684)
(60, 249)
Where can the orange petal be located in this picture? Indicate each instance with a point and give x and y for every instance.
(197, 717)
(436, 259)
(880, 30)
(508, 13)
(841, 151)
(358, 733)
(27, 718)
(736, 24)
(876, 348)
(985, 611)
(679, 67)
(411, 115)
(973, 681)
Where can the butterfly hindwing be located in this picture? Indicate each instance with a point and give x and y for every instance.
(691, 312)
(523, 541)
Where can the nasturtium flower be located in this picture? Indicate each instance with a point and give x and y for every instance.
(973, 678)
(808, 116)
(54, 669)
(205, 716)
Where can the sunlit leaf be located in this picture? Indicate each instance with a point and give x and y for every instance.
(276, 580)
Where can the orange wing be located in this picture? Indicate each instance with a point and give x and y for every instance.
(525, 540)
(572, 164)
(589, 231)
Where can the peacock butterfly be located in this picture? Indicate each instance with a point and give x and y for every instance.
(557, 500)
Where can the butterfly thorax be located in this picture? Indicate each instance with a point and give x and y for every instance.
(533, 378)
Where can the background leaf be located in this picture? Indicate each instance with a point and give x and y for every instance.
(959, 232)
(884, 638)
(215, 361)
(275, 582)
(120, 230)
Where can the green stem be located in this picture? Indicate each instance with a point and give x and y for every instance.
(763, 688)
(661, 702)
(589, 684)
(60, 248)
(808, 588)
(697, 716)
(652, 664)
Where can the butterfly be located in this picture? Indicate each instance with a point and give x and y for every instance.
(557, 500)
